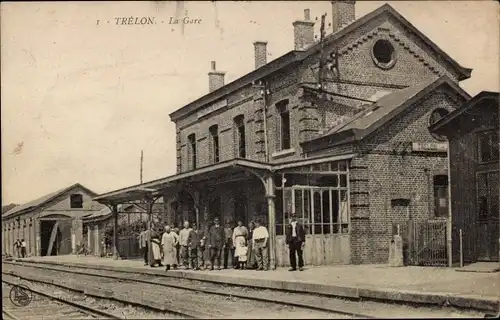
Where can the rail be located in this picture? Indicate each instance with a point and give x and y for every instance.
(81, 307)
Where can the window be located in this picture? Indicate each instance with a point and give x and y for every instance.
(441, 196)
(192, 151)
(214, 134)
(488, 146)
(487, 195)
(76, 201)
(383, 54)
(320, 200)
(435, 116)
(239, 123)
(284, 126)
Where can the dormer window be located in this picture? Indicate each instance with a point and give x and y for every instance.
(76, 201)
(214, 137)
(284, 125)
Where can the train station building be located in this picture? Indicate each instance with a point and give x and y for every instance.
(336, 131)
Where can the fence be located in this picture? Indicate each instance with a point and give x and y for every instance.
(128, 246)
(424, 241)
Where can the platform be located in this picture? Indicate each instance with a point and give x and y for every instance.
(404, 284)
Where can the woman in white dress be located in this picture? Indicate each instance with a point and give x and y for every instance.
(239, 233)
(169, 241)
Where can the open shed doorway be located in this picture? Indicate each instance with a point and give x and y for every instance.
(45, 238)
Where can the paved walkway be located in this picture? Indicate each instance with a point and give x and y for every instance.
(348, 280)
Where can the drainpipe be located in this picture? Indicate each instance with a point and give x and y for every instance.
(449, 222)
(266, 146)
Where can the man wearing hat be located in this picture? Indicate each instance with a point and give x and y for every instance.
(295, 240)
(215, 244)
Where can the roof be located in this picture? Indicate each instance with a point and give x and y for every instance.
(292, 57)
(101, 214)
(382, 111)
(380, 108)
(475, 102)
(8, 207)
(34, 204)
(105, 213)
(152, 188)
(209, 173)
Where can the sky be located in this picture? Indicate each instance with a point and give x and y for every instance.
(80, 100)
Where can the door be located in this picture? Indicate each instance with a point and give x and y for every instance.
(487, 216)
(240, 207)
(215, 209)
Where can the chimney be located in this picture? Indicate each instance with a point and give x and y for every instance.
(303, 32)
(342, 14)
(260, 53)
(215, 78)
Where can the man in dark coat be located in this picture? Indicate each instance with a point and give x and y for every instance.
(216, 243)
(295, 240)
(196, 243)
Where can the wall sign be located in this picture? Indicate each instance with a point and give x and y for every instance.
(211, 108)
(429, 147)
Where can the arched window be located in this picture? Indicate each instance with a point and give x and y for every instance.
(214, 136)
(239, 125)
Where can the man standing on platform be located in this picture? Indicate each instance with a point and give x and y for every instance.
(143, 245)
(215, 243)
(183, 240)
(295, 240)
(196, 247)
(260, 241)
(229, 246)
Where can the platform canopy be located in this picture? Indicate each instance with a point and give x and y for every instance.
(207, 174)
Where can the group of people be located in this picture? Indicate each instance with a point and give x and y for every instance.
(20, 248)
(219, 246)
(238, 247)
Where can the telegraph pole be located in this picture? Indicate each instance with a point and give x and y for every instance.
(322, 33)
(142, 160)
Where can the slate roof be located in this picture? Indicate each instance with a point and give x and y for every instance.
(293, 56)
(380, 108)
(32, 205)
(382, 111)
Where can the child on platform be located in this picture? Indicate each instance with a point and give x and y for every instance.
(243, 251)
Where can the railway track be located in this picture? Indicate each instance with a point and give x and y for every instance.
(189, 303)
(38, 304)
(331, 306)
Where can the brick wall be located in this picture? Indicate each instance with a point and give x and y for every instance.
(384, 171)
